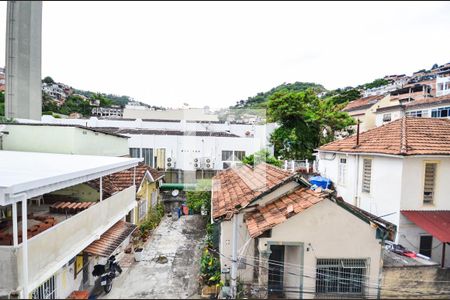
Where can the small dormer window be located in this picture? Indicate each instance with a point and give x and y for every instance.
(387, 117)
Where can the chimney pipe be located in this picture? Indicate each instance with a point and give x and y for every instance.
(357, 133)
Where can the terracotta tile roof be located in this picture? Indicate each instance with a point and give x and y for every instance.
(240, 186)
(121, 180)
(405, 136)
(111, 239)
(425, 102)
(363, 102)
(281, 209)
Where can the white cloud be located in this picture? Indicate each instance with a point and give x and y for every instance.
(220, 52)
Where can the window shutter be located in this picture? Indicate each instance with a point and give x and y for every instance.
(430, 176)
(367, 174)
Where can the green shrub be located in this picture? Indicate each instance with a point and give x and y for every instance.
(153, 218)
(210, 268)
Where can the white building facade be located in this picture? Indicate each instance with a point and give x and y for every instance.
(388, 175)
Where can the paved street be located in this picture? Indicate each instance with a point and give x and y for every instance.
(171, 263)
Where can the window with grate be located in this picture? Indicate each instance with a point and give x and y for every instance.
(367, 175)
(135, 152)
(426, 245)
(147, 153)
(239, 155)
(342, 171)
(387, 117)
(227, 155)
(430, 178)
(47, 290)
(341, 276)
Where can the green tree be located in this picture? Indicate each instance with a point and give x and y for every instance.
(261, 99)
(48, 80)
(343, 95)
(261, 156)
(48, 104)
(104, 101)
(306, 122)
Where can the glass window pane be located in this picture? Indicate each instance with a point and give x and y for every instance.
(239, 155)
(147, 153)
(227, 155)
(135, 152)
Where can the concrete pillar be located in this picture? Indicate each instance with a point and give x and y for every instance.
(14, 219)
(23, 94)
(263, 274)
(101, 189)
(25, 248)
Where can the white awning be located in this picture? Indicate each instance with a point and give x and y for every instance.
(36, 173)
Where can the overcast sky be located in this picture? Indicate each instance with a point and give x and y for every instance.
(218, 53)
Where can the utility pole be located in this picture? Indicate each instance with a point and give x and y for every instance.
(234, 257)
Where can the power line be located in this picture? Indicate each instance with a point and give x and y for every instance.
(361, 283)
(302, 267)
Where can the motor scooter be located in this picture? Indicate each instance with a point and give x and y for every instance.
(107, 273)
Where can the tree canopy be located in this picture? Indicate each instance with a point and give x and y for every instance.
(261, 99)
(261, 156)
(306, 122)
(48, 80)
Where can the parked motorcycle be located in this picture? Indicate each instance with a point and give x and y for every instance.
(107, 273)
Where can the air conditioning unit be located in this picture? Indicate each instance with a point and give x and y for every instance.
(197, 163)
(207, 163)
(170, 163)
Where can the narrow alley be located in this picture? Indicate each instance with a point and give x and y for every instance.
(170, 265)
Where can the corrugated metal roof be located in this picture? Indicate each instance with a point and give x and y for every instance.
(111, 239)
(436, 223)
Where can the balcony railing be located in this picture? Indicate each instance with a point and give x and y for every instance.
(50, 250)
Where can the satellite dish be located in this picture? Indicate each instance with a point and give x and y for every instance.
(175, 193)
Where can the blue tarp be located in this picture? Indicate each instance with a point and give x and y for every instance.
(320, 181)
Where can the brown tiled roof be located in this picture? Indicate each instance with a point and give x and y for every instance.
(111, 239)
(405, 136)
(363, 102)
(428, 102)
(281, 209)
(121, 180)
(240, 186)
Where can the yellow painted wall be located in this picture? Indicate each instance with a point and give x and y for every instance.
(145, 192)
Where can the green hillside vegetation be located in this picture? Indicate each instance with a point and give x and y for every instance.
(260, 100)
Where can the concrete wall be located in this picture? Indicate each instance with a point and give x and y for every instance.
(184, 149)
(413, 183)
(23, 96)
(325, 231)
(8, 269)
(415, 283)
(66, 140)
(245, 248)
(386, 182)
(197, 114)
